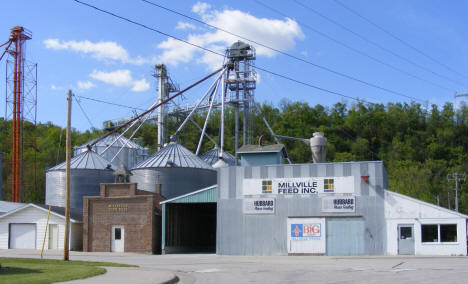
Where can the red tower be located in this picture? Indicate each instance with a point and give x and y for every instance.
(20, 105)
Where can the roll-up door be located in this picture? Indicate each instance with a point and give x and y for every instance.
(345, 236)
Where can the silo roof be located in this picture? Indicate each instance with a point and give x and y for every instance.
(87, 160)
(212, 157)
(173, 155)
(122, 141)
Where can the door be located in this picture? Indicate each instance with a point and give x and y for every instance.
(345, 236)
(118, 239)
(53, 236)
(306, 235)
(405, 239)
(22, 236)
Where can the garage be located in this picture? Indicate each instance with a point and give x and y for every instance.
(22, 236)
(189, 222)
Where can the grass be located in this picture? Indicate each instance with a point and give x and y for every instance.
(26, 270)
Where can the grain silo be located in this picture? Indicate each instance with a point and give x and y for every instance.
(212, 156)
(178, 170)
(130, 155)
(87, 171)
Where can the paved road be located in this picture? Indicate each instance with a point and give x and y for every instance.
(207, 268)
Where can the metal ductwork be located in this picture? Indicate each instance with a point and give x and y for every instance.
(318, 146)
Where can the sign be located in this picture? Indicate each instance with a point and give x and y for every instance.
(299, 186)
(306, 235)
(339, 204)
(259, 206)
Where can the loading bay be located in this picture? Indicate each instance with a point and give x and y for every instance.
(210, 268)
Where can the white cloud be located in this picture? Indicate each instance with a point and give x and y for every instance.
(278, 34)
(185, 26)
(121, 78)
(140, 85)
(85, 85)
(103, 50)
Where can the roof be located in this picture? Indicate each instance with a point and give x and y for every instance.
(204, 195)
(119, 142)
(6, 206)
(249, 149)
(173, 155)
(427, 204)
(212, 157)
(76, 215)
(86, 160)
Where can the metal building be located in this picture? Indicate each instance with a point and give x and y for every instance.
(176, 169)
(130, 152)
(88, 170)
(212, 156)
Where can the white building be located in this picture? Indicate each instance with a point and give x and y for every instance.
(24, 228)
(420, 228)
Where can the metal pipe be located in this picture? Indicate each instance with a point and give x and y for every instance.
(223, 93)
(213, 97)
(196, 106)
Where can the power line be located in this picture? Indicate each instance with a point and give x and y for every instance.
(219, 54)
(362, 53)
(109, 103)
(376, 44)
(84, 113)
(307, 61)
(400, 40)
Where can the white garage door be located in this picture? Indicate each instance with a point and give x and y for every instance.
(22, 236)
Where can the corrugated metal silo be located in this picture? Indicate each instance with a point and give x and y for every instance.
(212, 156)
(88, 170)
(131, 154)
(178, 170)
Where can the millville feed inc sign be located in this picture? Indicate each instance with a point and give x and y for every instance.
(316, 185)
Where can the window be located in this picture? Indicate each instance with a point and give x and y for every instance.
(117, 234)
(429, 233)
(406, 233)
(444, 233)
(448, 233)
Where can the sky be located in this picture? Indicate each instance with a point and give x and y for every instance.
(421, 54)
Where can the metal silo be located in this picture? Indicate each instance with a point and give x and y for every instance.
(178, 170)
(212, 156)
(87, 171)
(131, 154)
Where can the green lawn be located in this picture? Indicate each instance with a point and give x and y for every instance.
(26, 270)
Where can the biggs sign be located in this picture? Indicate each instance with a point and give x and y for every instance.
(299, 185)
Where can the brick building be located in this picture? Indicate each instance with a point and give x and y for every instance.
(122, 219)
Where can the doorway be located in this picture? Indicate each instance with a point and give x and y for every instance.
(405, 239)
(118, 239)
(53, 236)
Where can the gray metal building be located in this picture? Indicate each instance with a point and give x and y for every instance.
(323, 208)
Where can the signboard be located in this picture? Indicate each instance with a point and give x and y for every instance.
(299, 186)
(258, 206)
(306, 235)
(339, 204)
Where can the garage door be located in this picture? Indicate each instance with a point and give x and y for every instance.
(345, 236)
(22, 236)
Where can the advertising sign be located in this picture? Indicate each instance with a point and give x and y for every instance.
(299, 186)
(339, 204)
(306, 235)
(259, 206)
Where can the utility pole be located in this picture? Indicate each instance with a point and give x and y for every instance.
(67, 182)
(456, 176)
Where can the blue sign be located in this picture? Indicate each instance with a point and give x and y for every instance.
(296, 230)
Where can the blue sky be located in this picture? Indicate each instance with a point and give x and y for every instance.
(101, 57)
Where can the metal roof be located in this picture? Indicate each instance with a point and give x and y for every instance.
(204, 195)
(212, 157)
(76, 215)
(111, 138)
(247, 149)
(86, 160)
(6, 206)
(173, 155)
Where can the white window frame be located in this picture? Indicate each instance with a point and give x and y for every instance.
(438, 234)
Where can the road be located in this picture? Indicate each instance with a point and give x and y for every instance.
(209, 268)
